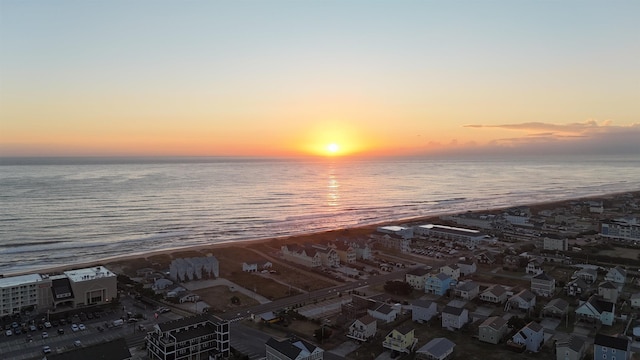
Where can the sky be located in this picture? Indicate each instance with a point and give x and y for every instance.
(290, 78)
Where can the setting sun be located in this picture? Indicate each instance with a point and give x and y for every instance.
(333, 148)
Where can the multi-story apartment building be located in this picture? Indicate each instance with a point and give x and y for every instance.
(82, 287)
(24, 292)
(466, 237)
(196, 337)
(555, 243)
(621, 229)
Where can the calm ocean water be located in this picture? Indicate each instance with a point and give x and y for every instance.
(62, 211)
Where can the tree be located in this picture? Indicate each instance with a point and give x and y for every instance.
(322, 333)
(235, 300)
(398, 288)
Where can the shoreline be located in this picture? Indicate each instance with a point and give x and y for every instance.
(293, 237)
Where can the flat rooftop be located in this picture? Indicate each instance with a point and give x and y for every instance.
(91, 273)
(451, 229)
(20, 280)
(393, 228)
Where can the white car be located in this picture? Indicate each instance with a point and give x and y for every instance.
(9, 333)
(47, 325)
(82, 327)
(45, 334)
(74, 327)
(46, 349)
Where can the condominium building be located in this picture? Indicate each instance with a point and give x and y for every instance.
(24, 292)
(196, 337)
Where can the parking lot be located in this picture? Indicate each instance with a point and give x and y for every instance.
(61, 337)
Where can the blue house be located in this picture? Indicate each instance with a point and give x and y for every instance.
(611, 347)
(438, 284)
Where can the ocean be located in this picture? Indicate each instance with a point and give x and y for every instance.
(60, 211)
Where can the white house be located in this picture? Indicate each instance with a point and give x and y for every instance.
(571, 348)
(383, 312)
(617, 275)
(635, 300)
(534, 267)
(608, 291)
(467, 290)
(190, 297)
(436, 349)
(417, 278)
(423, 310)
(531, 335)
(492, 330)
(454, 317)
(452, 270)
(525, 300)
(496, 294)
(467, 267)
(292, 349)
(596, 310)
(543, 285)
(589, 275)
(249, 267)
(161, 284)
(363, 328)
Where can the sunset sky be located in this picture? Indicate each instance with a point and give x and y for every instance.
(288, 78)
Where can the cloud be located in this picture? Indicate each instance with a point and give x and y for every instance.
(590, 137)
(547, 127)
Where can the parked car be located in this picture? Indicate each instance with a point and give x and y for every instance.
(74, 327)
(8, 333)
(45, 334)
(46, 349)
(60, 331)
(82, 327)
(77, 343)
(47, 325)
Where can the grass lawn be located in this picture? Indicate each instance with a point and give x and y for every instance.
(219, 298)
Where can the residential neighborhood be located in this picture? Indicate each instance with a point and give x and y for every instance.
(554, 281)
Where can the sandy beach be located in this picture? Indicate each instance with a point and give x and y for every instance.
(318, 237)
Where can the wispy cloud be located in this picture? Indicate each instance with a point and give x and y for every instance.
(588, 137)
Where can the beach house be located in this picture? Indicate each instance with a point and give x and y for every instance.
(543, 285)
(556, 308)
(608, 291)
(401, 339)
(611, 347)
(363, 329)
(292, 349)
(454, 317)
(571, 348)
(496, 294)
(423, 310)
(467, 290)
(436, 349)
(438, 284)
(383, 312)
(616, 275)
(531, 336)
(467, 267)
(305, 256)
(596, 310)
(492, 330)
(525, 300)
(417, 278)
(452, 270)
